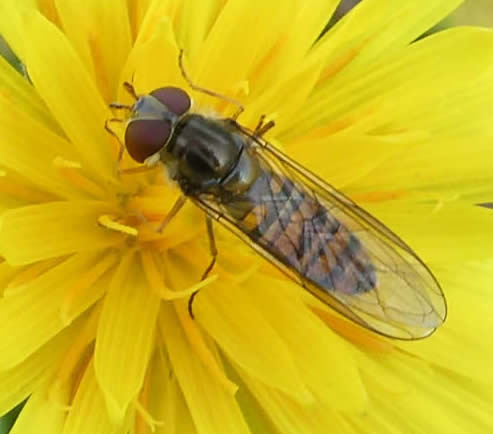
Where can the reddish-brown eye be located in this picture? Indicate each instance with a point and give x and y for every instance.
(176, 99)
(145, 137)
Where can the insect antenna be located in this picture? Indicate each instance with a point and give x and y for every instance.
(238, 104)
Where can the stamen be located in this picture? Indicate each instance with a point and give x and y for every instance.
(71, 171)
(147, 417)
(196, 340)
(110, 222)
(156, 280)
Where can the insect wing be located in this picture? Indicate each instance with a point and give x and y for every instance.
(405, 302)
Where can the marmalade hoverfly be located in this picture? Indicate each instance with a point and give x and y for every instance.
(316, 235)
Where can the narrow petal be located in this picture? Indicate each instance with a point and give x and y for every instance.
(96, 29)
(125, 337)
(18, 132)
(64, 83)
(194, 23)
(439, 232)
(243, 333)
(307, 20)
(273, 101)
(40, 411)
(426, 166)
(468, 323)
(19, 93)
(29, 234)
(437, 85)
(149, 58)
(137, 12)
(12, 23)
(229, 51)
(351, 156)
(20, 381)
(165, 400)
(290, 417)
(313, 347)
(386, 27)
(456, 402)
(88, 411)
(33, 313)
(206, 399)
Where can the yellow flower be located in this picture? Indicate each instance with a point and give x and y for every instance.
(88, 331)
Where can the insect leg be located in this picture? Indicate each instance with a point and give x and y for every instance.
(213, 251)
(240, 107)
(129, 87)
(212, 246)
(262, 127)
(122, 146)
(177, 206)
(118, 106)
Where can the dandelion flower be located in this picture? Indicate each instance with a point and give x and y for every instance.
(95, 332)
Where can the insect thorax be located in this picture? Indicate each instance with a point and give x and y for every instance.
(209, 156)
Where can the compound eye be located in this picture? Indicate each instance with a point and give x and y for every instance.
(176, 99)
(145, 137)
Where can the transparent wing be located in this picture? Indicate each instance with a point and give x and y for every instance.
(333, 248)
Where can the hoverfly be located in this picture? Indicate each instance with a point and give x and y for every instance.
(319, 237)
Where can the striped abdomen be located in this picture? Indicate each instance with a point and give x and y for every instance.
(290, 224)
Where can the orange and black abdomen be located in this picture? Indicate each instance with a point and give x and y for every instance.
(289, 223)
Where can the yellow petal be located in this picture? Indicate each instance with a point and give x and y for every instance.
(386, 26)
(125, 337)
(18, 132)
(298, 86)
(290, 417)
(12, 23)
(439, 233)
(154, 62)
(96, 29)
(40, 411)
(18, 93)
(137, 12)
(32, 233)
(206, 399)
(88, 412)
(227, 50)
(243, 333)
(166, 401)
(20, 381)
(456, 402)
(427, 166)
(153, 17)
(313, 347)
(351, 156)
(64, 83)
(409, 76)
(194, 23)
(467, 326)
(33, 314)
(306, 21)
